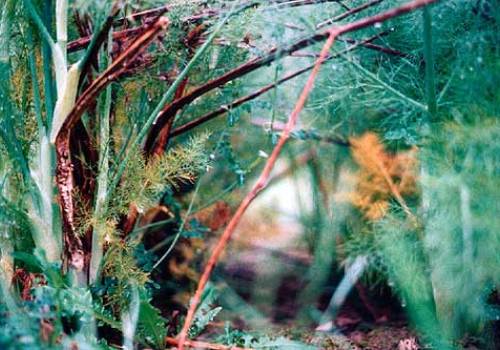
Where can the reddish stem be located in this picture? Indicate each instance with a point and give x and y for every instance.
(204, 345)
(164, 135)
(238, 102)
(259, 185)
(264, 176)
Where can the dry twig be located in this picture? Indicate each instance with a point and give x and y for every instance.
(203, 345)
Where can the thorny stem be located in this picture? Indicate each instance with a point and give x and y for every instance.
(264, 177)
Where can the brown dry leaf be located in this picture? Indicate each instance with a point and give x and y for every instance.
(381, 176)
(216, 216)
(46, 330)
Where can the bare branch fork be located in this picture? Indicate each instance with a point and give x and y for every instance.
(153, 146)
(264, 176)
(238, 102)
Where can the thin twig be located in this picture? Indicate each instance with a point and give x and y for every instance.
(264, 176)
(238, 102)
(376, 47)
(196, 344)
(154, 12)
(348, 13)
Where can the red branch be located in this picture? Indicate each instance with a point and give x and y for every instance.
(83, 42)
(170, 110)
(164, 135)
(264, 176)
(238, 102)
(203, 345)
(261, 183)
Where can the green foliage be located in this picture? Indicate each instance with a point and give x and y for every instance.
(206, 311)
(120, 272)
(151, 325)
(143, 184)
(436, 94)
(461, 237)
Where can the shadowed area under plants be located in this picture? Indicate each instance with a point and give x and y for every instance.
(240, 174)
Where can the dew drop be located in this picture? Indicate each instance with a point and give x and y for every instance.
(263, 154)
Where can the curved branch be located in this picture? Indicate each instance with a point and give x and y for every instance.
(265, 175)
(238, 102)
(64, 169)
(170, 110)
(260, 185)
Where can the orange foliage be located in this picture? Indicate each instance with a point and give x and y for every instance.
(381, 176)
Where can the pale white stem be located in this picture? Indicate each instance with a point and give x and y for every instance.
(102, 184)
(130, 319)
(59, 49)
(352, 274)
(66, 99)
(467, 230)
(6, 247)
(62, 25)
(43, 220)
(60, 69)
(6, 260)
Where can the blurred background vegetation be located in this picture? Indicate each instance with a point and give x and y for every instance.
(378, 228)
